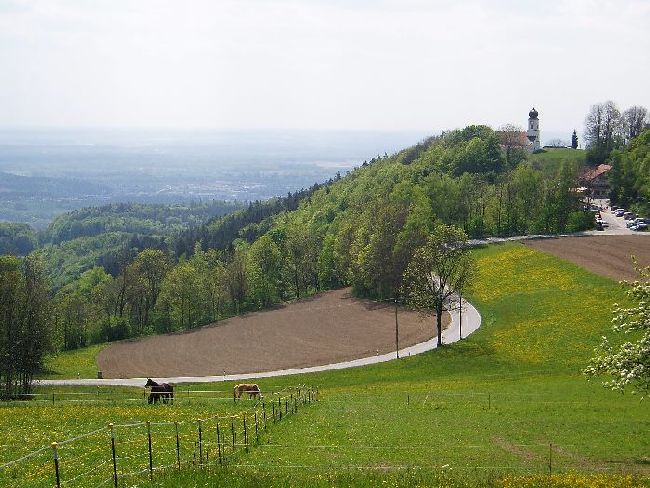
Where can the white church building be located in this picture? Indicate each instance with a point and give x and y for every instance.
(533, 131)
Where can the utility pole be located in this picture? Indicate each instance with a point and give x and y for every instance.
(460, 314)
(396, 331)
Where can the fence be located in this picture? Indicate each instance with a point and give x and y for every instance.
(113, 394)
(113, 455)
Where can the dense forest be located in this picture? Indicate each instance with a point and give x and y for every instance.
(132, 276)
(621, 139)
(359, 230)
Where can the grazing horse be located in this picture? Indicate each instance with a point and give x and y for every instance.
(250, 388)
(164, 392)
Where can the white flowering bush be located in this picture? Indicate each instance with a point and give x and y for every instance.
(628, 365)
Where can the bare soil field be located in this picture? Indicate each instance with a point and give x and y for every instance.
(327, 328)
(604, 255)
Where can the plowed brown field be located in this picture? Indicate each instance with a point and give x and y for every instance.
(604, 255)
(328, 328)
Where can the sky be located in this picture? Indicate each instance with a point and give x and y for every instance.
(315, 64)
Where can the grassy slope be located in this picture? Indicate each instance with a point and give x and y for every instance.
(492, 403)
(542, 318)
(550, 160)
(80, 363)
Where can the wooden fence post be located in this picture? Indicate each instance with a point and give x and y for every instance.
(114, 456)
(257, 435)
(219, 444)
(178, 447)
(55, 453)
(245, 435)
(200, 444)
(150, 453)
(264, 414)
(232, 428)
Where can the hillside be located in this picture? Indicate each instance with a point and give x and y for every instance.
(550, 159)
(488, 411)
(357, 230)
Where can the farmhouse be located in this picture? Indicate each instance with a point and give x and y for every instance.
(596, 181)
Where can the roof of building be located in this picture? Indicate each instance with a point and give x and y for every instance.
(533, 113)
(594, 173)
(512, 138)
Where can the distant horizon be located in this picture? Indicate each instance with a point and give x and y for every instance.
(547, 134)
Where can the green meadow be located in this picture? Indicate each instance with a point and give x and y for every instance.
(550, 160)
(506, 407)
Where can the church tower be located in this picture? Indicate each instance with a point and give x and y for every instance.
(533, 131)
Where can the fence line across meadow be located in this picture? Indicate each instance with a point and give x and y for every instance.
(107, 456)
(109, 394)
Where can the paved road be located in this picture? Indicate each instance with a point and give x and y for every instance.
(471, 321)
(616, 228)
(616, 225)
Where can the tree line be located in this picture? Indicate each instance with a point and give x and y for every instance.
(622, 140)
(361, 230)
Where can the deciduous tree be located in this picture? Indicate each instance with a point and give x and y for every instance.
(439, 271)
(627, 365)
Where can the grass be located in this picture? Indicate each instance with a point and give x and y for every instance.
(80, 363)
(550, 160)
(488, 411)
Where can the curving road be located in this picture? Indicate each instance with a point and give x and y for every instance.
(471, 321)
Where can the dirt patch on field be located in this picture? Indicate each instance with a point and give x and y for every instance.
(328, 328)
(604, 255)
(518, 450)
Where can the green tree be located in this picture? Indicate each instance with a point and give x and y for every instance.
(81, 307)
(264, 269)
(146, 273)
(237, 276)
(24, 322)
(182, 296)
(439, 271)
(628, 364)
(603, 131)
(301, 252)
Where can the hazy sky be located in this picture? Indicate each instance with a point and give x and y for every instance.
(341, 64)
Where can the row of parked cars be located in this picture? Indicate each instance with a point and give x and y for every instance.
(633, 221)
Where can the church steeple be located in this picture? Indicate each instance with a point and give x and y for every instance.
(533, 130)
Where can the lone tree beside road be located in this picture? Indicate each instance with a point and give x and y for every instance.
(439, 272)
(628, 364)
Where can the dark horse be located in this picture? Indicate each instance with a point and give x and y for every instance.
(164, 392)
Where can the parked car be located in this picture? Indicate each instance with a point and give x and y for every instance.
(629, 216)
(640, 226)
(620, 212)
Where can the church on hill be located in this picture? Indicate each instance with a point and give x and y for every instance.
(533, 131)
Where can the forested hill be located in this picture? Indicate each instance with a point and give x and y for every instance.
(248, 223)
(360, 230)
(363, 229)
(108, 236)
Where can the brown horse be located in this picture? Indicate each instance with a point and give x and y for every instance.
(163, 391)
(250, 388)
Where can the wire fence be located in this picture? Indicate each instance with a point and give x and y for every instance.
(115, 455)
